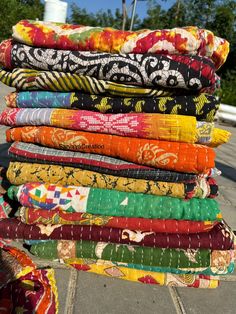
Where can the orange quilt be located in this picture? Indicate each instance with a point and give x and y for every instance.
(176, 156)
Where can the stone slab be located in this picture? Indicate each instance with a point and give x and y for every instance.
(217, 301)
(62, 280)
(97, 294)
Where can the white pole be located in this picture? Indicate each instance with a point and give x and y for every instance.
(133, 14)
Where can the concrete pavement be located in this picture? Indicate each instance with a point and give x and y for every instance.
(84, 293)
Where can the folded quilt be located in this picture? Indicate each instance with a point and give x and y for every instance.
(111, 202)
(139, 69)
(12, 272)
(56, 216)
(182, 157)
(183, 40)
(27, 79)
(142, 255)
(32, 153)
(219, 238)
(210, 271)
(111, 269)
(20, 173)
(34, 291)
(203, 107)
(24, 287)
(5, 207)
(4, 183)
(143, 125)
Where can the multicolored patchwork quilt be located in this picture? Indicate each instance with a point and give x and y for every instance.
(57, 216)
(186, 40)
(179, 71)
(219, 238)
(111, 202)
(134, 254)
(154, 126)
(20, 173)
(121, 271)
(203, 106)
(182, 157)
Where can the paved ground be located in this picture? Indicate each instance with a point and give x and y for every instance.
(92, 294)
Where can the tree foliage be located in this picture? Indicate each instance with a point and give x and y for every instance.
(101, 18)
(14, 10)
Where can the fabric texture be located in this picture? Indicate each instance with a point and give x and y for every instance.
(31, 153)
(14, 263)
(182, 157)
(4, 183)
(154, 126)
(32, 292)
(110, 202)
(5, 207)
(57, 216)
(4, 158)
(174, 128)
(27, 79)
(219, 238)
(187, 72)
(161, 257)
(19, 173)
(113, 270)
(208, 271)
(203, 106)
(23, 288)
(186, 40)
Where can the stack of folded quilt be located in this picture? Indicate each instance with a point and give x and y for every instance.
(112, 158)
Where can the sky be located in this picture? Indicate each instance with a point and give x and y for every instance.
(96, 5)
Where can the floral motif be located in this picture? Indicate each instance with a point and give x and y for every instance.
(119, 124)
(48, 229)
(220, 258)
(66, 249)
(153, 155)
(90, 219)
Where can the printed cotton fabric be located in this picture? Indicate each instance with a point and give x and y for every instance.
(111, 269)
(205, 271)
(182, 157)
(35, 291)
(109, 202)
(219, 238)
(203, 106)
(154, 126)
(23, 288)
(185, 40)
(4, 183)
(26, 79)
(142, 255)
(14, 263)
(187, 72)
(57, 216)
(5, 207)
(201, 189)
(31, 153)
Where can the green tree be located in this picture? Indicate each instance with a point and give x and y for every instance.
(156, 16)
(81, 16)
(101, 18)
(13, 11)
(175, 16)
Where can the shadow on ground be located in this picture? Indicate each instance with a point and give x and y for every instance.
(227, 171)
